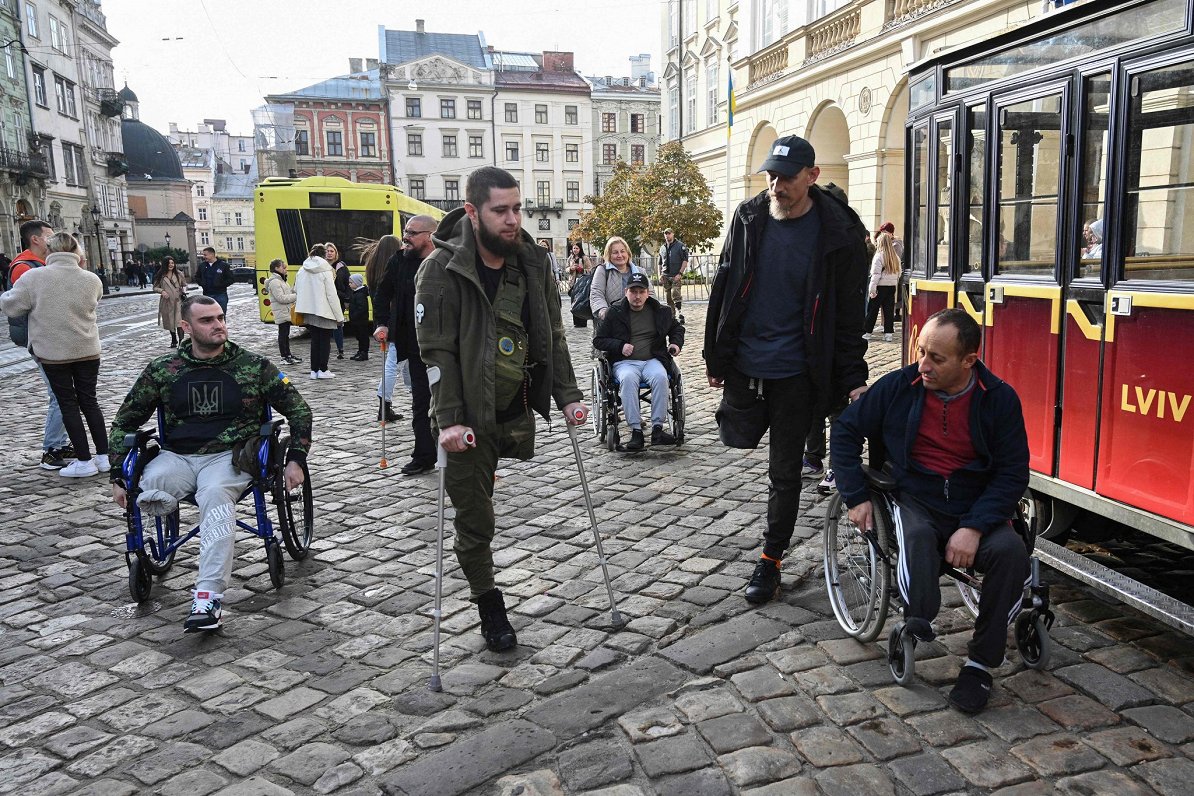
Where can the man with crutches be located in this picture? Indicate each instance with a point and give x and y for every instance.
(487, 315)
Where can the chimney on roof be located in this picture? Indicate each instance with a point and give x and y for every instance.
(557, 62)
(354, 65)
(419, 26)
(371, 63)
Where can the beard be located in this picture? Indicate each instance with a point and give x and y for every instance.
(780, 211)
(495, 242)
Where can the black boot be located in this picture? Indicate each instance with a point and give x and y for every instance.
(764, 583)
(636, 440)
(495, 627)
(385, 411)
(173, 340)
(661, 437)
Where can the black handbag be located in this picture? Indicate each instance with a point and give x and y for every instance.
(580, 297)
(741, 426)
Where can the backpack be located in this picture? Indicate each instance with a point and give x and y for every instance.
(580, 297)
(18, 326)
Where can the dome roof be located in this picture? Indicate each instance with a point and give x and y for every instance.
(127, 94)
(149, 154)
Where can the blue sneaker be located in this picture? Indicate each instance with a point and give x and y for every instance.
(813, 469)
(205, 612)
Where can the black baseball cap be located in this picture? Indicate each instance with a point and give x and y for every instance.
(789, 155)
(639, 280)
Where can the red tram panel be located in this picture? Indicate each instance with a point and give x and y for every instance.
(925, 297)
(1079, 398)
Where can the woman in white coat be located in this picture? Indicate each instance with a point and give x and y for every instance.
(320, 307)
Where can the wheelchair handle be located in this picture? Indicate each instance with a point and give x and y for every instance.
(269, 427)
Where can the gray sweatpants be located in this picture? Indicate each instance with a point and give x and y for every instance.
(217, 485)
(922, 535)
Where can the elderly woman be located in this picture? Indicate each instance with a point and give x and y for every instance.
(60, 300)
(609, 280)
(320, 306)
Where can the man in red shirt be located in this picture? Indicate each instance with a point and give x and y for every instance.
(56, 449)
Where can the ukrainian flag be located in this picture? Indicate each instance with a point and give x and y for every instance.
(730, 101)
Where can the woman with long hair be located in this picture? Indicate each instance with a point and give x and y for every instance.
(281, 302)
(60, 300)
(885, 278)
(381, 267)
(169, 282)
(609, 280)
(320, 306)
(340, 274)
(577, 263)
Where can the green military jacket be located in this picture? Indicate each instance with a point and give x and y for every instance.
(209, 405)
(457, 333)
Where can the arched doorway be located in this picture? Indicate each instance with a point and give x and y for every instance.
(760, 146)
(829, 134)
(891, 159)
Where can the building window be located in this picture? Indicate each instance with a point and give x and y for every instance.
(64, 93)
(609, 122)
(204, 239)
(452, 189)
(609, 154)
(572, 153)
(227, 219)
(240, 145)
(39, 87)
(543, 193)
(240, 244)
(31, 20)
(573, 223)
(673, 118)
(545, 225)
(636, 122)
(203, 214)
(414, 144)
(239, 219)
(335, 143)
(414, 107)
(417, 189)
(474, 109)
(68, 164)
(637, 154)
(512, 151)
(476, 146)
(57, 34)
(712, 78)
(447, 109)
(573, 190)
(570, 114)
(512, 111)
(450, 145)
(200, 190)
(228, 244)
(302, 142)
(542, 152)
(540, 114)
(368, 145)
(690, 100)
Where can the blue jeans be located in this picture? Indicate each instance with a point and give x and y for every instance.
(389, 377)
(629, 373)
(54, 435)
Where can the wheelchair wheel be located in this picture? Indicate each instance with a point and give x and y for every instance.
(165, 536)
(296, 513)
(611, 436)
(901, 655)
(678, 413)
(969, 594)
(1032, 640)
(277, 565)
(598, 405)
(857, 580)
(140, 580)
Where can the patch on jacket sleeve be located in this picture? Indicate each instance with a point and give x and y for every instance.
(419, 313)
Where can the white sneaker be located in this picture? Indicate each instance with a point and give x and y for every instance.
(326, 374)
(887, 338)
(79, 469)
(315, 374)
(101, 462)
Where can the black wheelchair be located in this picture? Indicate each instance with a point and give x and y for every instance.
(859, 569)
(150, 552)
(607, 401)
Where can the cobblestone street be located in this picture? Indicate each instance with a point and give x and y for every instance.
(321, 686)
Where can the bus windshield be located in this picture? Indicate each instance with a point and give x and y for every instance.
(301, 229)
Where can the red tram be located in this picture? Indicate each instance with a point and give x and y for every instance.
(1050, 188)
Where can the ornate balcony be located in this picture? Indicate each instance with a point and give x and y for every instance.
(22, 166)
(446, 205)
(111, 105)
(768, 65)
(833, 35)
(901, 12)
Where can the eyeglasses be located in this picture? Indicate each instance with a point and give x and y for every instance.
(411, 232)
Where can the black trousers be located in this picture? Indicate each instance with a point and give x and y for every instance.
(922, 535)
(789, 414)
(321, 347)
(885, 300)
(420, 405)
(284, 339)
(73, 384)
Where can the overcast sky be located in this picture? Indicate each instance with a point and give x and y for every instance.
(189, 60)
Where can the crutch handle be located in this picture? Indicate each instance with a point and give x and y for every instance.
(578, 415)
(470, 438)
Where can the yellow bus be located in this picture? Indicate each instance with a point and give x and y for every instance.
(292, 215)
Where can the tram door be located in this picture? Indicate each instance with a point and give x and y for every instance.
(930, 288)
(1023, 300)
(1146, 439)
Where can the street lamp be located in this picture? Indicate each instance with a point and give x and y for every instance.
(95, 213)
(167, 240)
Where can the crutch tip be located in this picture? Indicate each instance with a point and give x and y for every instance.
(435, 684)
(616, 619)
(383, 464)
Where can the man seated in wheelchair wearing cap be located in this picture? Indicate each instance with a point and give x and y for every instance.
(954, 436)
(640, 336)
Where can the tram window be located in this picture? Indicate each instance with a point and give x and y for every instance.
(1095, 147)
(918, 261)
(1160, 183)
(1029, 176)
(945, 159)
(976, 156)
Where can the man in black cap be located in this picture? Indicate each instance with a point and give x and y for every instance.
(640, 336)
(783, 333)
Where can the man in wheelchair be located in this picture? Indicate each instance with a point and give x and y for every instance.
(954, 436)
(640, 336)
(213, 395)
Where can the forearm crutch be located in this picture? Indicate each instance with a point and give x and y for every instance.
(614, 617)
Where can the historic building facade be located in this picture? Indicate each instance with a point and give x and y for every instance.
(23, 166)
(625, 124)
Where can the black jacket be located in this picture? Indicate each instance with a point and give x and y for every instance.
(614, 331)
(835, 292)
(982, 495)
(212, 277)
(340, 280)
(394, 302)
(358, 311)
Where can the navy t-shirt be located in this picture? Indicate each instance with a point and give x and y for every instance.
(771, 344)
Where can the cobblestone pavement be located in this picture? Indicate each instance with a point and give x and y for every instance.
(320, 687)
